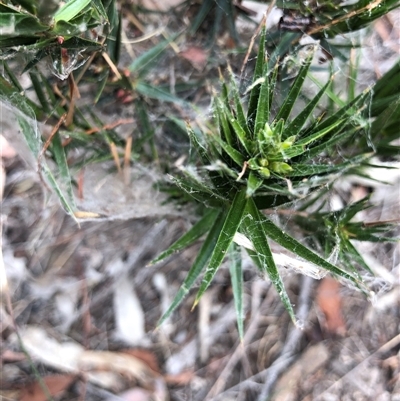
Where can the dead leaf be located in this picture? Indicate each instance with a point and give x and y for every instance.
(104, 368)
(196, 56)
(10, 356)
(9, 395)
(56, 385)
(117, 362)
(128, 313)
(62, 356)
(330, 303)
(146, 356)
(79, 214)
(136, 394)
(159, 5)
(180, 379)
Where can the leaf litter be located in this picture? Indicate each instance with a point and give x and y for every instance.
(37, 239)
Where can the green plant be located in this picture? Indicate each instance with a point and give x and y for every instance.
(332, 23)
(67, 35)
(258, 158)
(71, 37)
(222, 11)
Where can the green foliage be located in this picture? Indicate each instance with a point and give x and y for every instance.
(220, 11)
(41, 30)
(332, 17)
(69, 36)
(261, 159)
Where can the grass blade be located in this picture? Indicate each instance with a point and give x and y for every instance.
(34, 144)
(148, 57)
(11, 95)
(157, 93)
(206, 7)
(70, 10)
(62, 164)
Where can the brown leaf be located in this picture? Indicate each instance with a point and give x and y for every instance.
(10, 356)
(196, 56)
(136, 394)
(56, 384)
(330, 303)
(145, 356)
(180, 379)
(117, 362)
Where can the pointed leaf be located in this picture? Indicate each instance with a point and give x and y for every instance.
(234, 154)
(70, 10)
(11, 95)
(98, 5)
(206, 7)
(149, 56)
(240, 132)
(63, 168)
(221, 117)
(158, 93)
(258, 72)
(235, 269)
(241, 118)
(39, 90)
(355, 256)
(12, 77)
(225, 238)
(198, 190)
(286, 107)
(101, 85)
(196, 143)
(255, 229)
(33, 140)
(300, 146)
(262, 115)
(272, 84)
(20, 24)
(254, 182)
(350, 211)
(305, 170)
(288, 242)
(198, 265)
(293, 128)
(199, 229)
(328, 142)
